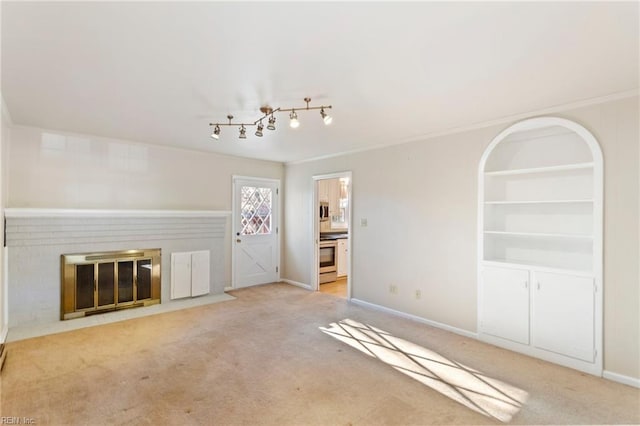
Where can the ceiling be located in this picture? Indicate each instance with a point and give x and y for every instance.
(159, 72)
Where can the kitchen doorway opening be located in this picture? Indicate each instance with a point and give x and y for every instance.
(332, 234)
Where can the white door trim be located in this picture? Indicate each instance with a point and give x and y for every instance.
(234, 212)
(315, 229)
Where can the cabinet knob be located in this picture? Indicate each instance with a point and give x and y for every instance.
(238, 240)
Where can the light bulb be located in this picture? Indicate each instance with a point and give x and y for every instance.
(294, 123)
(259, 131)
(216, 133)
(325, 117)
(243, 132)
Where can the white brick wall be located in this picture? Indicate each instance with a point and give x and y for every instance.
(37, 238)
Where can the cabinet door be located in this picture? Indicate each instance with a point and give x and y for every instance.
(505, 303)
(563, 314)
(342, 258)
(323, 190)
(334, 197)
(180, 275)
(200, 273)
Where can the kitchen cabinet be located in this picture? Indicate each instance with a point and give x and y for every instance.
(323, 190)
(540, 222)
(343, 258)
(334, 192)
(190, 274)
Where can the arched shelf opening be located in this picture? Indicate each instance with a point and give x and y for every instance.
(540, 242)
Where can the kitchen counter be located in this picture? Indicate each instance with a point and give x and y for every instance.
(324, 236)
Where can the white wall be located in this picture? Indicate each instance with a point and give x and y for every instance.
(5, 121)
(51, 169)
(420, 201)
(62, 170)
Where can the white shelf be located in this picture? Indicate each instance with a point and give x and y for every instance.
(507, 202)
(538, 265)
(533, 170)
(540, 235)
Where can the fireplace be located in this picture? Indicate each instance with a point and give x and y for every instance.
(94, 283)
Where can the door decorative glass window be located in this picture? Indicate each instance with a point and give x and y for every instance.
(256, 209)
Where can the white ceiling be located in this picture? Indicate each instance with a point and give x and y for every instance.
(159, 72)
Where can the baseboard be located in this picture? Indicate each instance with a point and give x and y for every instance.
(296, 283)
(625, 380)
(416, 318)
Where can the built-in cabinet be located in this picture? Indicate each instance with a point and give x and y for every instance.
(342, 257)
(540, 242)
(190, 274)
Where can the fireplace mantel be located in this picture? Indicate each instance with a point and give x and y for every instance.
(37, 212)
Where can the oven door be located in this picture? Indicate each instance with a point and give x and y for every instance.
(328, 256)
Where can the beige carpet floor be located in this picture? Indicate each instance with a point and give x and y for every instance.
(282, 355)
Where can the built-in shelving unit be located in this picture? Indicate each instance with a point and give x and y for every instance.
(540, 242)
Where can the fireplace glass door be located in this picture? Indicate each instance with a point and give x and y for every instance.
(143, 280)
(125, 281)
(106, 274)
(109, 284)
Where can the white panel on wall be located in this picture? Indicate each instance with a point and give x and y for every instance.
(180, 275)
(200, 273)
(190, 274)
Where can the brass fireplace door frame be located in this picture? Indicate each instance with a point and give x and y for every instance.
(69, 263)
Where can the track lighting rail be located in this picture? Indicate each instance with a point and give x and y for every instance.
(268, 114)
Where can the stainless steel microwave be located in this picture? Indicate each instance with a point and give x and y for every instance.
(324, 211)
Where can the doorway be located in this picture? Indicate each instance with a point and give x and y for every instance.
(255, 225)
(332, 231)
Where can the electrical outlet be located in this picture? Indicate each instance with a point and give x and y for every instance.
(393, 289)
(418, 294)
(363, 222)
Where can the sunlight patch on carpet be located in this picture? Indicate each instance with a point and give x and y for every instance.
(471, 388)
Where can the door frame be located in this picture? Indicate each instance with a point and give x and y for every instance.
(315, 229)
(234, 212)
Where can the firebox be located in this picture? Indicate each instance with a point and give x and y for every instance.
(94, 283)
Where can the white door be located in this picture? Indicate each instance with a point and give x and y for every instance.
(200, 266)
(563, 314)
(505, 303)
(180, 275)
(255, 231)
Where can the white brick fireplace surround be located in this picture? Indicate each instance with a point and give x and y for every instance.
(36, 238)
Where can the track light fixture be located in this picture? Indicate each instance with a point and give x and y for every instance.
(294, 123)
(216, 132)
(325, 117)
(259, 131)
(272, 122)
(267, 111)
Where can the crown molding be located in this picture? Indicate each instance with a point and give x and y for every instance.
(483, 124)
